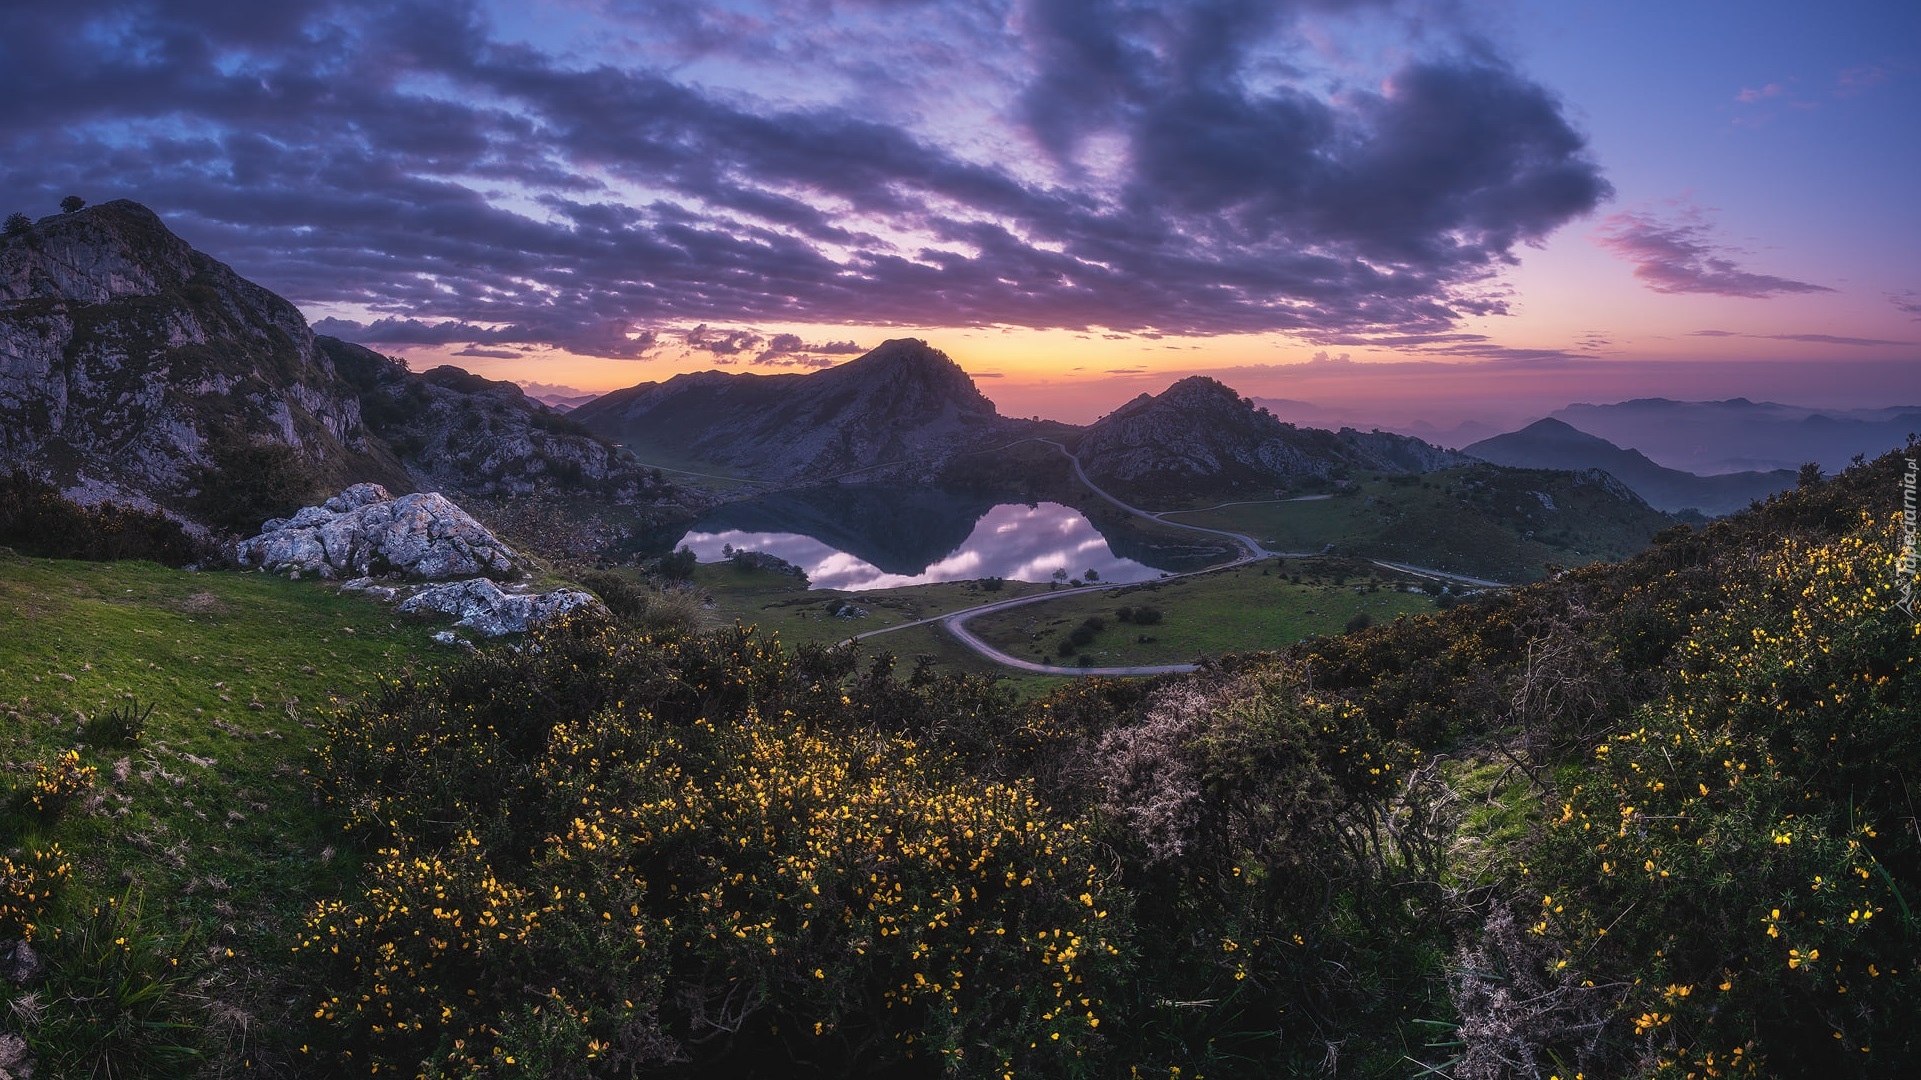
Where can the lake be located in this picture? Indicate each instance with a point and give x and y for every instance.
(877, 536)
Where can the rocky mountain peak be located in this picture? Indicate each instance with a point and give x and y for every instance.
(902, 405)
(1197, 398)
(100, 253)
(910, 367)
(1200, 430)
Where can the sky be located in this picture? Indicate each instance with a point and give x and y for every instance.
(1386, 213)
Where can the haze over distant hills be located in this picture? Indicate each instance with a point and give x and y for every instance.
(1552, 444)
(1712, 437)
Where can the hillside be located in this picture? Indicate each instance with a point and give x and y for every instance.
(1199, 437)
(1479, 520)
(904, 405)
(133, 367)
(457, 431)
(136, 369)
(1552, 444)
(713, 855)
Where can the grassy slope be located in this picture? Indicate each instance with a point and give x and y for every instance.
(1244, 609)
(209, 821)
(1476, 521)
(782, 605)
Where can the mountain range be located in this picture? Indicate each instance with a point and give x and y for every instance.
(1737, 434)
(905, 409)
(1552, 444)
(135, 368)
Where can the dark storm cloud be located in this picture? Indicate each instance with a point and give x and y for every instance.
(404, 157)
(1681, 256)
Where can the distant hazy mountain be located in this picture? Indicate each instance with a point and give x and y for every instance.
(1200, 432)
(1551, 444)
(1711, 437)
(560, 402)
(904, 405)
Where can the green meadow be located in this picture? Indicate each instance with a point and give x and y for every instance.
(1265, 605)
(204, 823)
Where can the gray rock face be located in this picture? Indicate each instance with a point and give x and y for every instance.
(122, 350)
(457, 431)
(20, 963)
(486, 609)
(364, 530)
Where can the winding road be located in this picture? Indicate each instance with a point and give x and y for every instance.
(955, 622)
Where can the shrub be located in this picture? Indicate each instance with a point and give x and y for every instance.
(120, 725)
(17, 225)
(29, 882)
(36, 520)
(119, 1002)
(51, 788)
(72, 204)
(1739, 858)
(679, 565)
(251, 480)
(699, 850)
(640, 606)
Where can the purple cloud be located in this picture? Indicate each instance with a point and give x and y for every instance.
(413, 159)
(1812, 339)
(1830, 339)
(1680, 256)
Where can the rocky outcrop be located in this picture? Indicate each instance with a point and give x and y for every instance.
(127, 357)
(457, 431)
(490, 611)
(1199, 431)
(364, 530)
(893, 411)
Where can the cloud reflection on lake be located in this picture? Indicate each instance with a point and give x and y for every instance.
(1021, 543)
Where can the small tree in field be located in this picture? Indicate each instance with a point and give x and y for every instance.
(72, 204)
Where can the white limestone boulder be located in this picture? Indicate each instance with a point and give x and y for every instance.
(488, 610)
(364, 531)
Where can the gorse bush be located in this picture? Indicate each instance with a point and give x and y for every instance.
(1651, 819)
(29, 883)
(1742, 859)
(700, 852)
